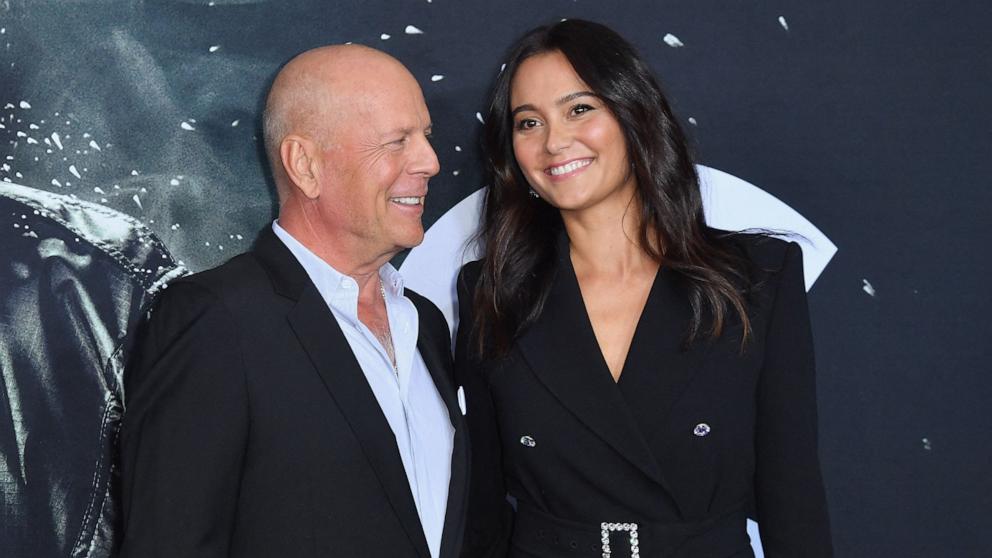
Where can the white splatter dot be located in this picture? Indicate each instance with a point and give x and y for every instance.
(33, 126)
(437, 77)
(18, 175)
(95, 145)
(57, 140)
(174, 182)
(385, 36)
(207, 243)
(926, 444)
(214, 48)
(32, 140)
(235, 123)
(55, 182)
(673, 41)
(692, 120)
(9, 106)
(2, 127)
(458, 148)
(72, 169)
(3, 30)
(239, 237)
(86, 135)
(133, 173)
(478, 116)
(783, 23)
(99, 190)
(455, 172)
(5, 167)
(25, 105)
(175, 227)
(21, 134)
(137, 200)
(866, 287)
(186, 126)
(411, 30)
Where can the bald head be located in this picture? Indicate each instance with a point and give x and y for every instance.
(315, 92)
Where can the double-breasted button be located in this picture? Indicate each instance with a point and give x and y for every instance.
(701, 429)
(527, 441)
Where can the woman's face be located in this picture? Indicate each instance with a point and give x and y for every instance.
(566, 141)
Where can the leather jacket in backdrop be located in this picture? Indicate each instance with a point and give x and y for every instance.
(74, 276)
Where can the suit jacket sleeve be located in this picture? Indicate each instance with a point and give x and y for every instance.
(184, 429)
(489, 514)
(789, 494)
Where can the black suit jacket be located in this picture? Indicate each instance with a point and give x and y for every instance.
(250, 429)
(704, 434)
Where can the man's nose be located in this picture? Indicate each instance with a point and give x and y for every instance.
(426, 161)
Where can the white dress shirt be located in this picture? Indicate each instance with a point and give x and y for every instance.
(407, 395)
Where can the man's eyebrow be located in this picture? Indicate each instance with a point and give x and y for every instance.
(407, 130)
(561, 101)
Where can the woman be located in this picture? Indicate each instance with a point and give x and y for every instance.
(636, 381)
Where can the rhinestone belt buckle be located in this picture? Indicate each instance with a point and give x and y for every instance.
(607, 528)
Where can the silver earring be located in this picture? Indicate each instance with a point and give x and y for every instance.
(534, 194)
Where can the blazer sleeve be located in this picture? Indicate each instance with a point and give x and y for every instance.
(489, 516)
(789, 494)
(184, 430)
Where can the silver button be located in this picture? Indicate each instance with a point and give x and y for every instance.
(527, 441)
(701, 429)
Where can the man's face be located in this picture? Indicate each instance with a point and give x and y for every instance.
(375, 168)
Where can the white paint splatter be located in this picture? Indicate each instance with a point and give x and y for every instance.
(186, 126)
(673, 41)
(72, 169)
(926, 444)
(3, 30)
(137, 200)
(55, 182)
(174, 182)
(411, 30)
(133, 173)
(25, 105)
(235, 123)
(437, 77)
(9, 106)
(692, 120)
(2, 127)
(18, 175)
(478, 116)
(95, 145)
(175, 226)
(57, 140)
(866, 287)
(85, 135)
(385, 36)
(783, 23)
(99, 190)
(32, 140)
(214, 48)
(239, 237)
(21, 134)
(458, 148)
(455, 172)
(33, 126)
(5, 167)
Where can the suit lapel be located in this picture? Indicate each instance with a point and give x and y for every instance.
(433, 345)
(660, 363)
(561, 349)
(328, 350)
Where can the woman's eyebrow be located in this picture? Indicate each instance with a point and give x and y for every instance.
(561, 101)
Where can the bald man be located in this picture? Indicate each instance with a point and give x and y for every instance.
(297, 401)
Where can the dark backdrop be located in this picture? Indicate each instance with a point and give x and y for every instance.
(869, 118)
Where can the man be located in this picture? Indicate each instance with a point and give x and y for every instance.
(296, 401)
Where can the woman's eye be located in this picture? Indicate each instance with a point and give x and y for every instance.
(526, 124)
(579, 109)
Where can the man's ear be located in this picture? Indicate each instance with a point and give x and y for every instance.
(300, 157)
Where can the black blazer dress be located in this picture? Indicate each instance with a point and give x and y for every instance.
(671, 459)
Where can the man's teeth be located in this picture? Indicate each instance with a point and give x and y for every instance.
(413, 200)
(569, 167)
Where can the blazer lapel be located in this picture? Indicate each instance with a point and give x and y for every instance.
(561, 349)
(433, 345)
(328, 350)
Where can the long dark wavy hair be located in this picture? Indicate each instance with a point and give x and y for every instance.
(519, 233)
